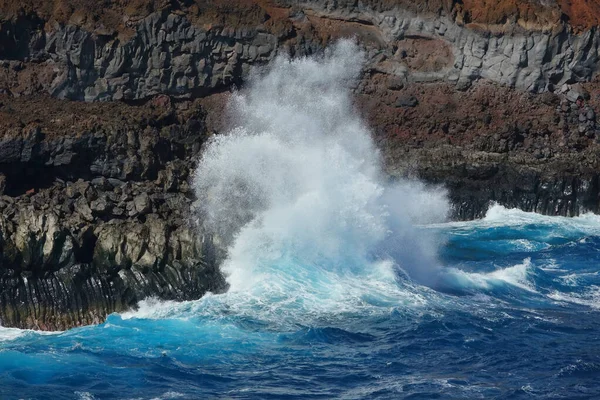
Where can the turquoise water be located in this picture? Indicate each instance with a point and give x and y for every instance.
(511, 312)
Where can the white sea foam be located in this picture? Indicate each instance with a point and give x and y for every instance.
(7, 334)
(590, 297)
(170, 395)
(84, 396)
(296, 191)
(11, 333)
(502, 216)
(299, 177)
(154, 308)
(516, 275)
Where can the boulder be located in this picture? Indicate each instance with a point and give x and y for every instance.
(407, 101)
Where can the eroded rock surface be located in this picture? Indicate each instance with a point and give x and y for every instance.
(186, 51)
(94, 221)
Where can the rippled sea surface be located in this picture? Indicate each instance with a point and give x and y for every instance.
(511, 313)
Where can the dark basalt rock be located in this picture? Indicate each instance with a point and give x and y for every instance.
(408, 101)
(559, 187)
(56, 275)
(66, 261)
(95, 221)
(567, 196)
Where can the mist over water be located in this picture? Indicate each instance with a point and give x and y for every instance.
(296, 187)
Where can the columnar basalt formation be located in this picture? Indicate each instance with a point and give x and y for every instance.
(167, 53)
(104, 108)
(95, 214)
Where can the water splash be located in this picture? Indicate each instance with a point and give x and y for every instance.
(516, 275)
(296, 191)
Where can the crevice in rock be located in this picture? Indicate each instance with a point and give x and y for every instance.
(84, 253)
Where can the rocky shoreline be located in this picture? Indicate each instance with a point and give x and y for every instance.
(103, 114)
(94, 222)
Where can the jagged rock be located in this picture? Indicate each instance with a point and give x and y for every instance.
(77, 189)
(408, 101)
(100, 206)
(128, 244)
(40, 241)
(58, 261)
(463, 84)
(142, 204)
(169, 178)
(573, 95)
(115, 182)
(82, 208)
(102, 183)
(168, 55)
(591, 115)
(197, 59)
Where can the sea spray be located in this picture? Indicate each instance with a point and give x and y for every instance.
(296, 190)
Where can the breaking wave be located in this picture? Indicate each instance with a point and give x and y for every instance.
(296, 191)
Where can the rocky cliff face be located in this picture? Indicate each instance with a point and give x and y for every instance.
(104, 107)
(95, 214)
(167, 53)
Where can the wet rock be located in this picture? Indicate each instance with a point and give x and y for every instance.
(82, 271)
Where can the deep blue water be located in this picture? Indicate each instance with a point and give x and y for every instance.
(512, 313)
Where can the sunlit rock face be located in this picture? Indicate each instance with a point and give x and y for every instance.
(193, 51)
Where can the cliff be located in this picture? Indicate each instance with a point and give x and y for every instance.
(95, 213)
(105, 106)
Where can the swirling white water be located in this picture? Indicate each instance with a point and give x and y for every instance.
(342, 285)
(296, 190)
